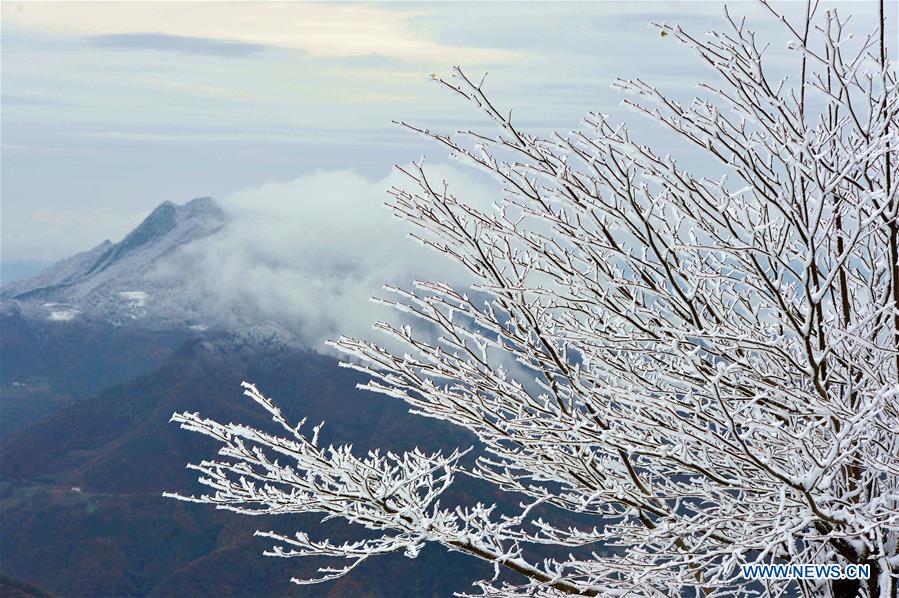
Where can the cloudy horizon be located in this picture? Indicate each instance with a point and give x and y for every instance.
(109, 109)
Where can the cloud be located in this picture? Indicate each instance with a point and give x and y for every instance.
(320, 30)
(309, 254)
(174, 43)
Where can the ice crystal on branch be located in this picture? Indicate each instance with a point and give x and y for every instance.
(704, 369)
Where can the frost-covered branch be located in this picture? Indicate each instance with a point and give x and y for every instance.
(702, 370)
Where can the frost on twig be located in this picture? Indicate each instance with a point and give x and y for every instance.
(705, 368)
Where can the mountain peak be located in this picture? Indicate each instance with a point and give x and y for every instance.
(111, 280)
(196, 219)
(202, 203)
(160, 221)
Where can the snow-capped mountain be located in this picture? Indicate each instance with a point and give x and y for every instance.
(134, 281)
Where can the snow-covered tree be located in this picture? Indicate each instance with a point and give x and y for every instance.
(702, 371)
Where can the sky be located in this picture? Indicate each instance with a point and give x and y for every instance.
(110, 108)
(283, 110)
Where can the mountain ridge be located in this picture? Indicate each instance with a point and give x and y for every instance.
(125, 282)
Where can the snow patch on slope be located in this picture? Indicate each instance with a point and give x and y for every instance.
(62, 315)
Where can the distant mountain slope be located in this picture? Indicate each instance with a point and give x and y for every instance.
(126, 282)
(80, 495)
(46, 366)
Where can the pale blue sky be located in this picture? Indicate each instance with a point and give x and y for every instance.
(109, 109)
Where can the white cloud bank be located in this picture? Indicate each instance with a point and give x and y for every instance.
(308, 254)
